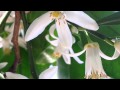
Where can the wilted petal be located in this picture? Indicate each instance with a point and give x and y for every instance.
(52, 42)
(38, 26)
(2, 65)
(10, 75)
(50, 73)
(82, 19)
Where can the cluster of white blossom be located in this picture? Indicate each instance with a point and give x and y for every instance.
(64, 42)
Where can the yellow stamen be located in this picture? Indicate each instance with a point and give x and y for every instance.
(6, 51)
(56, 14)
(57, 54)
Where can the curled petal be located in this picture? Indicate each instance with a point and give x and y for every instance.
(38, 26)
(51, 31)
(82, 19)
(76, 54)
(115, 56)
(52, 42)
(76, 58)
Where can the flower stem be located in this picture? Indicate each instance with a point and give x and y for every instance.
(29, 46)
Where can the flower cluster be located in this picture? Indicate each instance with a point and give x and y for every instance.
(63, 42)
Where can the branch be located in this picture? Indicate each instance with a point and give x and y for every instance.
(15, 41)
(29, 46)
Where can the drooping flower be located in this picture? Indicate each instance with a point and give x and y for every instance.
(63, 43)
(93, 64)
(77, 17)
(50, 73)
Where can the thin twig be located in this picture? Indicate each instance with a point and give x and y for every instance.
(29, 46)
(15, 41)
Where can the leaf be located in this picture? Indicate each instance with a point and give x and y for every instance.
(113, 19)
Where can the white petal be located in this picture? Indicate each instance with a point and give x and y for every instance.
(3, 16)
(66, 58)
(93, 61)
(10, 75)
(22, 42)
(76, 54)
(52, 42)
(73, 39)
(50, 73)
(2, 65)
(82, 19)
(76, 58)
(1, 42)
(64, 33)
(51, 31)
(38, 26)
(115, 56)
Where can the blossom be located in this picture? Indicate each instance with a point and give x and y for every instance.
(77, 17)
(93, 64)
(6, 42)
(63, 44)
(65, 40)
(50, 73)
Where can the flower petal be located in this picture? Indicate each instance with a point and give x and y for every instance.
(2, 65)
(10, 75)
(1, 42)
(75, 54)
(76, 58)
(50, 73)
(115, 56)
(82, 19)
(66, 58)
(3, 16)
(38, 26)
(64, 33)
(22, 42)
(52, 42)
(51, 31)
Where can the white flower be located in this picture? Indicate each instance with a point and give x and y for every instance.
(50, 73)
(6, 42)
(10, 75)
(63, 42)
(93, 64)
(77, 17)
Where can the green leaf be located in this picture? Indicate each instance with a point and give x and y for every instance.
(113, 19)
